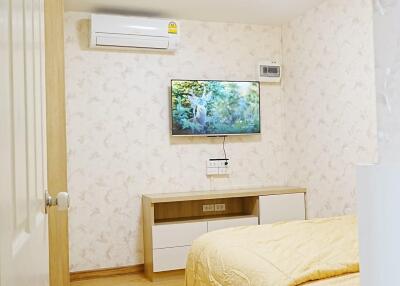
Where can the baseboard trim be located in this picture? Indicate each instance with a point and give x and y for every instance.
(106, 272)
(166, 275)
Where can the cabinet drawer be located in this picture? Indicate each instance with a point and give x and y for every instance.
(276, 208)
(232, 222)
(170, 258)
(180, 234)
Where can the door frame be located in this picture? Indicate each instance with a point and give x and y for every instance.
(56, 139)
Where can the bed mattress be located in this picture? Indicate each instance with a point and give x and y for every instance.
(316, 252)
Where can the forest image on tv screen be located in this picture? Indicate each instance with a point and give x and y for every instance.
(215, 107)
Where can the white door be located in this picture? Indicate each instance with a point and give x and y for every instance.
(24, 258)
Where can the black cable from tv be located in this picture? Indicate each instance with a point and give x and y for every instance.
(223, 147)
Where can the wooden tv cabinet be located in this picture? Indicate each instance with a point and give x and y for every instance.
(171, 221)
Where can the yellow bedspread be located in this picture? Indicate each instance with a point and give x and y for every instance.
(287, 254)
(344, 280)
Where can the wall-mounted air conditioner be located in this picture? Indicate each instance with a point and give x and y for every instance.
(110, 31)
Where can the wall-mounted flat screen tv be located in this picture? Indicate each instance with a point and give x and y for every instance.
(215, 108)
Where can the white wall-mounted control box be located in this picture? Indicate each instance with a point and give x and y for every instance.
(218, 167)
(269, 71)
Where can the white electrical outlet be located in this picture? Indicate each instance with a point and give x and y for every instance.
(212, 171)
(218, 167)
(212, 164)
(223, 171)
(219, 207)
(208, 208)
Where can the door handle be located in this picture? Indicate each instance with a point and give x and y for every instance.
(61, 201)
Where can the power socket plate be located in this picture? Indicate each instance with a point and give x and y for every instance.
(217, 167)
(208, 208)
(219, 207)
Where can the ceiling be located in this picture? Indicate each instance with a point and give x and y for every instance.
(271, 12)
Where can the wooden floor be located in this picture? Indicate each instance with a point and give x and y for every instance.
(129, 280)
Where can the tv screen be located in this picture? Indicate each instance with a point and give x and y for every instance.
(212, 108)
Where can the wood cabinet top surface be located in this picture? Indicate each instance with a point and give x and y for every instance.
(229, 193)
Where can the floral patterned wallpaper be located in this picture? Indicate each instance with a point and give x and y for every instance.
(315, 127)
(118, 131)
(330, 104)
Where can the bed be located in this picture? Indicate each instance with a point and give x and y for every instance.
(316, 252)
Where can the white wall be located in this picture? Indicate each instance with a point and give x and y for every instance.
(313, 132)
(387, 47)
(329, 99)
(378, 186)
(118, 131)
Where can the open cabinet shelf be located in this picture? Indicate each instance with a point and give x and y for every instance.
(171, 221)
